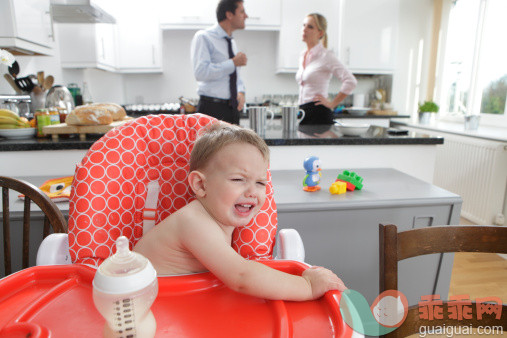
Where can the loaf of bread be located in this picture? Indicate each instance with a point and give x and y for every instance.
(89, 115)
(117, 111)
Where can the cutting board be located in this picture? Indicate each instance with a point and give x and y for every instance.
(63, 128)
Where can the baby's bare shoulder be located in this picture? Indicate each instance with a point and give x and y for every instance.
(194, 218)
(192, 214)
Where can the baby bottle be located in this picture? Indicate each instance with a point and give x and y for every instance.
(124, 287)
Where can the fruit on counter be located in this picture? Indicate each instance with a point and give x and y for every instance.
(8, 113)
(10, 120)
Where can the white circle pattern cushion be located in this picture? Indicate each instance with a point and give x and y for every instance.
(109, 188)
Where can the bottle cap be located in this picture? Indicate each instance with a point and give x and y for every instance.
(124, 272)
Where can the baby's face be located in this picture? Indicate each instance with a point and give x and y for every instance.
(236, 179)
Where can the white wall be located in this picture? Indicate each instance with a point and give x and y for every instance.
(177, 77)
(414, 41)
(178, 80)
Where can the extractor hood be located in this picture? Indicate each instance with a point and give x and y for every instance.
(79, 11)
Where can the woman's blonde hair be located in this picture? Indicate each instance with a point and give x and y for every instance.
(217, 136)
(321, 23)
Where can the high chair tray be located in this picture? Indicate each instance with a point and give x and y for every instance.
(56, 301)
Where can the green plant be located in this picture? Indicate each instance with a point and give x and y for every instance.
(428, 107)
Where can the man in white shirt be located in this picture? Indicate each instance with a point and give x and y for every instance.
(215, 60)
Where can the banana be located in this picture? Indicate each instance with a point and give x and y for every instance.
(8, 113)
(10, 126)
(10, 120)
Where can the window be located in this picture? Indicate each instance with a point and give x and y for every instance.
(474, 79)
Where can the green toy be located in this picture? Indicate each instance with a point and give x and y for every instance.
(352, 178)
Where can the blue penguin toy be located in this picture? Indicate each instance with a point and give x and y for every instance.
(313, 174)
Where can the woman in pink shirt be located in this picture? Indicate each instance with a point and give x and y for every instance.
(316, 66)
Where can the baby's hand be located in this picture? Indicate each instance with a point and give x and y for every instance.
(322, 280)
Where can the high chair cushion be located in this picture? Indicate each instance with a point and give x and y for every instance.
(109, 189)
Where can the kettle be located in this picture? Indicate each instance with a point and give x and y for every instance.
(60, 97)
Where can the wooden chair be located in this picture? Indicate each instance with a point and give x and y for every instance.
(52, 216)
(396, 246)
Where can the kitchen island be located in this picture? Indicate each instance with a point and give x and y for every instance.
(413, 153)
(340, 232)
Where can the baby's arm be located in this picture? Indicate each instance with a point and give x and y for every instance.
(322, 280)
(205, 240)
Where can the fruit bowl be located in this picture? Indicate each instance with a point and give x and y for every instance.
(18, 134)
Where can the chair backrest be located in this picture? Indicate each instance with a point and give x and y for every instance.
(396, 246)
(134, 177)
(52, 217)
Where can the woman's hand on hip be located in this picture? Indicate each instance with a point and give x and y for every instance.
(321, 100)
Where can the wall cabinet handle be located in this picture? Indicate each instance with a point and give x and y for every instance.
(103, 49)
(51, 24)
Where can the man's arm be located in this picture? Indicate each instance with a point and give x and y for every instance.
(205, 240)
(240, 60)
(241, 101)
(241, 92)
(204, 69)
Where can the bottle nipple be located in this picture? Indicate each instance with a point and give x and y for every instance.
(123, 261)
(122, 247)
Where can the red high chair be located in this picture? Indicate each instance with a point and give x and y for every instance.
(130, 180)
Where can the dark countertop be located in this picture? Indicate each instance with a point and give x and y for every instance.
(330, 135)
(244, 115)
(368, 116)
(274, 136)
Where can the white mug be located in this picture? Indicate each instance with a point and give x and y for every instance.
(258, 120)
(290, 118)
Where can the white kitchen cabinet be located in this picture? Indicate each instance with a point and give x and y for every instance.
(201, 14)
(263, 15)
(87, 45)
(188, 14)
(139, 37)
(369, 30)
(26, 27)
(290, 44)
(132, 45)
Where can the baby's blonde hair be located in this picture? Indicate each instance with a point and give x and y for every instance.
(217, 136)
(321, 23)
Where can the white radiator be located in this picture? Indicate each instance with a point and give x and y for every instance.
(475, 169)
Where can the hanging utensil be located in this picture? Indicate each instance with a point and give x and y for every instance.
(37, 90)
(40, 78)
(48, 82)
(25, 83)
(14, 69)
(34, 79)
(12, 83)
